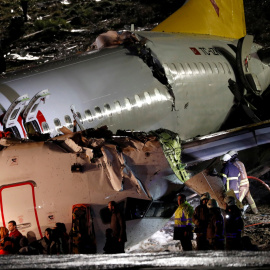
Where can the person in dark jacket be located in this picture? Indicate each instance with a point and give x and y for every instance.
(46, 244)
(118, 226)
(234, 224)
(200, 220)
(230, 175)
(215, 227)
(110, 243)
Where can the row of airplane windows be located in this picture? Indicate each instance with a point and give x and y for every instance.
(175, 69)
(108, 111)
(198, 68)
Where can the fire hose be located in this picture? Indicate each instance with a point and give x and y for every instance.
(262, 182)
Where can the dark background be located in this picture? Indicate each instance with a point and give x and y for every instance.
(47, 30)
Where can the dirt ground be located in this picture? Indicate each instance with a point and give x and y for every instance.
(257, 227)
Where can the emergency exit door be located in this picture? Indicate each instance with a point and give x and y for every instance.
(18, 203)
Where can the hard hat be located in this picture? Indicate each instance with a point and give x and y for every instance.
(212, 203)
(225, 158)
(232, 153)
(230, 200)
(205, 196)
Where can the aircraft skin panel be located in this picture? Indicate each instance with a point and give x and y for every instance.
(224, 18)
(113, 75)
(57, 188)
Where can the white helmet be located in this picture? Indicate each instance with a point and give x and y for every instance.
(232, 153)
(225, 158)
(212, 203)
(230, 200)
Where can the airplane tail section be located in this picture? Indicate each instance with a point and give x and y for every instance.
(225, 18)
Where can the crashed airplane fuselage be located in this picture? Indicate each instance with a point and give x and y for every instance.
(185, 83)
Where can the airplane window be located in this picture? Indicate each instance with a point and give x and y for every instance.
(136, 208)
(68, 121)
(88, 115)
(180, 69)
(128, 104)
(228, 68)
(132, 208)
(98, 112)
(195, 68)
(188, 69)
(117, 107)
(57, 122)
(147, 98)
(34, 107)
(138, 101)
(173, 71)
(161, 210)
(221, 68)
(14, 114)
(215, 68)
(201, 68)
(157, 93)
(208, 68)
(79, 116)
(46, 128)
(108, 109)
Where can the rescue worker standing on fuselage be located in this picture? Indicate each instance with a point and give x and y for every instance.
(230, 175)
(234, 224)
(200, 219)
(183, 223)
(215, 227)
(244, 191)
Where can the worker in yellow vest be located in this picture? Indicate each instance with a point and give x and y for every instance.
(183, 229)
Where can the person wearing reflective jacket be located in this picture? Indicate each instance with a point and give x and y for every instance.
(230, 175)
(244, 191)
(183, 223)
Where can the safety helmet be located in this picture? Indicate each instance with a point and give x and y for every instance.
(232, 153)
(225, 158)
(230, 200)
(212, 203)
(205, 196)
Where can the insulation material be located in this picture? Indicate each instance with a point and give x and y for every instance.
(171, 144)
(114, 165)
(144, 157)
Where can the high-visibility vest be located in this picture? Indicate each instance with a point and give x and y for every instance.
(183, 215)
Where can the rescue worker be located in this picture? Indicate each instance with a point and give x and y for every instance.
(118, 226)
(183, 223)
(215, 227)
(244, 191)
(234, 224)
(200, 219)
(230, 175)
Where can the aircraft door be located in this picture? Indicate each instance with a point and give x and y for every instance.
(83, 240)
(12, 119)
(17, 202)
(32, 113)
